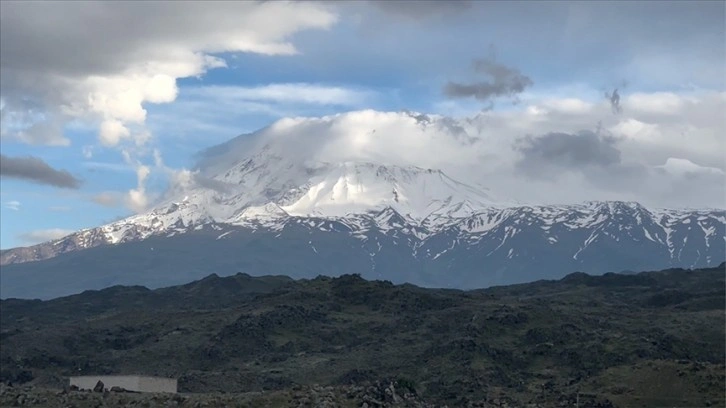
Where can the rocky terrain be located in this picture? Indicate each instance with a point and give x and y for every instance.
(618, 340)
(380, 394)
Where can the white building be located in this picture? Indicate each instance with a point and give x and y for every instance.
(128, 382)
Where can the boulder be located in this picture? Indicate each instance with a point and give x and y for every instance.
(98, 387)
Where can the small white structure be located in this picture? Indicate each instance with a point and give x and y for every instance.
(136, 383)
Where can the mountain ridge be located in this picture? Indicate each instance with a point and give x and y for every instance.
(495, 247)
(272, 216)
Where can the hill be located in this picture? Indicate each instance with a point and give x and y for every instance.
(647, 339)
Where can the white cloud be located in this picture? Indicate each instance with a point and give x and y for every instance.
(124, 56)
(285, 93)
(661, 103)
(12, 205)
(87, 151)
(684, 167)
(114, 167)
(572, 106)
(485, 149)
(38, 236)
(137, 199)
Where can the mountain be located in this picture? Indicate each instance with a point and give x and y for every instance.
(492, 247)
(257, 205)
(650, 339)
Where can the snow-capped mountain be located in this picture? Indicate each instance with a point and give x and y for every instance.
(488, 247)
(253, 205)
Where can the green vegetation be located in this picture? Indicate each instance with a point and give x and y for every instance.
(649, 339)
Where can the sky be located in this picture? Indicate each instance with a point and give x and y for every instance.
(102, 104)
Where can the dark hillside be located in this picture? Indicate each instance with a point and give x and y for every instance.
(647, 339)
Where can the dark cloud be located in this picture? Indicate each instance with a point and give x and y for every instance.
(503, 81)
(36, 170)
(565, 150)
(595, 157)
(614, 99)
(418, 10)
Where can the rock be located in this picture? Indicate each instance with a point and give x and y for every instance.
(98, 387)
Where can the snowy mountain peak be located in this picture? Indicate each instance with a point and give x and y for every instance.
(360, 187)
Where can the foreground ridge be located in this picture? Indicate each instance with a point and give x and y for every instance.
(605, 340)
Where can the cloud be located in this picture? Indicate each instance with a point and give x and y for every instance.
(13, 205)
(583, 149)
(504, 81)
(614, 99)
(686, 168)
(137, 200)
(582, 157)
(44, 235)
(108, 199)
(19, 126)
(101, 166)
(212, 184)
(37, 171)
(659, 103)
(87, 151)
(124, 57)
(574, 142)
(288, 93)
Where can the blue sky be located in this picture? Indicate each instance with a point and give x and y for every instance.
(347, 56)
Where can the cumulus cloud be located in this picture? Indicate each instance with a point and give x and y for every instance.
(38, 236)
(37, 171)
(503, 81)
(125, 56)
(137, 199)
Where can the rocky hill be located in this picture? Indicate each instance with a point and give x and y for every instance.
(647, 339)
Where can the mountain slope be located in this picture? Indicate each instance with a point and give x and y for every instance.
(495, 247)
